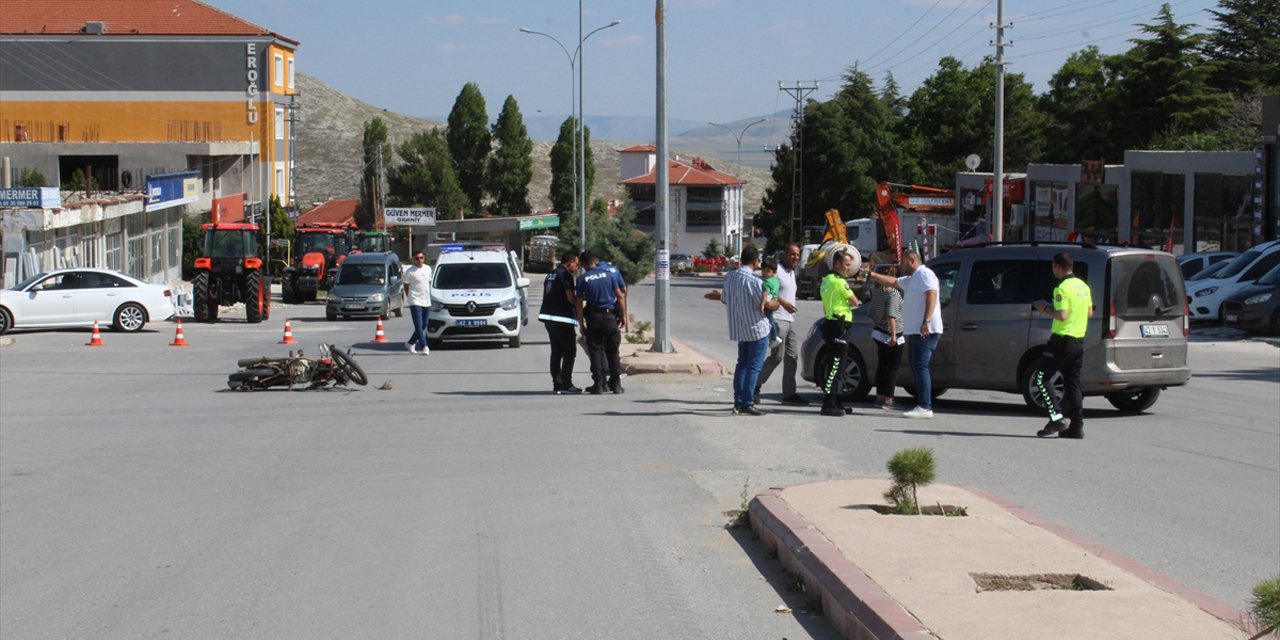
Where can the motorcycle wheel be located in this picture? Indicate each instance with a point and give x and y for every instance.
(249, 378)
(349, 367)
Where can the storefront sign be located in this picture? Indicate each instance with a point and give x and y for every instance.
(414, 217)
(539, 222)
(251, 75)
(166, 190)
(31, 198)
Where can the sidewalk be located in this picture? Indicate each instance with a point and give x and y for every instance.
(913, 577)
(637, 359)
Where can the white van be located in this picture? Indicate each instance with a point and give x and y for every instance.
(476, 296)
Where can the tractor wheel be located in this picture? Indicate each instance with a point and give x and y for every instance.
(255, 302)
(200, 297)
(287, 293)
(349, 367)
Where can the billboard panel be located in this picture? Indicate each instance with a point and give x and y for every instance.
(166, 190)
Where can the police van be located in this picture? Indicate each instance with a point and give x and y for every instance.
(476, 296)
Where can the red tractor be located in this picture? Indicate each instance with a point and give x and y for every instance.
(230, 271)
(318, 250)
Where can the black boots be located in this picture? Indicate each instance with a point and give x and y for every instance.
(1074, 431)
(1052, 428)
(831, 405)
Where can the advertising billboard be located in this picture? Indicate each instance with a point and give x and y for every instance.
(166, 190)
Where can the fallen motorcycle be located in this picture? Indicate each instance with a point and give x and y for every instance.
(333, 367)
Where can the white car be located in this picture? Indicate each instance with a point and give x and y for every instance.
(78, 297)
(1206, 296)
(476, 295)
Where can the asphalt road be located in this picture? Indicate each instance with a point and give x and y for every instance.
(140, 498)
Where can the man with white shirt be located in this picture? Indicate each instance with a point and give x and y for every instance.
(789, 350)
(417, 290)
(922, 324)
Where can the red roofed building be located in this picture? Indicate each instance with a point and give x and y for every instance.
(334, 211)
(706, 204)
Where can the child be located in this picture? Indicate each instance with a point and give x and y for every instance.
(769, 268)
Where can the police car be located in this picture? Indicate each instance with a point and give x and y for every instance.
(476, 296)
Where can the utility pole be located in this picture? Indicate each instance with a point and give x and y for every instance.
(662, 197)
(798, 92)
(997, 189)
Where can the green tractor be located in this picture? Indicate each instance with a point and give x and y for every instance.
(371, 242)
(229, 271)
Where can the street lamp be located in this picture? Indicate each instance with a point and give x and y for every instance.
(738, 137)
(579, 139)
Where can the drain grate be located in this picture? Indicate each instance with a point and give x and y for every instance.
(1037, 582)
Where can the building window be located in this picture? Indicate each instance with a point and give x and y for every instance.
(291, 75)
(279, 123)
(115, 251)
(1050, 205)
(280, 187)
(277, 75)
(1157, 198)
(1223, 212)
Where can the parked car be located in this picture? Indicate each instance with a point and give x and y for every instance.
(1205, 298)
(681, 263)
(1255, 308)
(1136, 344)
(78, 297)
(1208, 272)
(1193, 263)
(476, 295)
(367, 284)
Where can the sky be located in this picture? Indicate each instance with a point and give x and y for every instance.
(725, 58)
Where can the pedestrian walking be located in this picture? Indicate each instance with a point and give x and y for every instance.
(1071, 310)
(788, 352)
(745, 306)
(417, 289)
(922, 324)
(559, 314)
(838, 301)
(885, 311)
(602, 311)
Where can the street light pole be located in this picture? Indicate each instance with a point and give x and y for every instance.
(738, 138)
(579, 137)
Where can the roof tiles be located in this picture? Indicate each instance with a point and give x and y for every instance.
(125, 18)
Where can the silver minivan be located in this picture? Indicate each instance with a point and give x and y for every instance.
(1136, 344)
(367, 284)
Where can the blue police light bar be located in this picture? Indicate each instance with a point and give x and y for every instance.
(471, 246)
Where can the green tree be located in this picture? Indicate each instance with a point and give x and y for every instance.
(281, 227)
(374, 142)
(891, 95)
(563, 177)
(511, 165)
(774, 219)
(31, 178)
(469, 142)
(425, 177)
(1079, 105)
(1245, 46)
(617, 240)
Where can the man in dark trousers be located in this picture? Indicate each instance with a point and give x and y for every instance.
(603, 310)
(1072, 306)
(559, 314)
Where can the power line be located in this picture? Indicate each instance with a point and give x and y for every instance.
(894, 40)
(975, 14)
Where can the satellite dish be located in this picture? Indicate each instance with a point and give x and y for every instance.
(972, 161)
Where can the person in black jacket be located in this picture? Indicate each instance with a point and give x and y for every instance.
(559, 315)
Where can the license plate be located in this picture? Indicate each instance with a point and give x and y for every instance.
(472, 323)
(1231, 317)
(1155, 331)
(353, 306)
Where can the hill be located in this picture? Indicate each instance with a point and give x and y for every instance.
(329, 155)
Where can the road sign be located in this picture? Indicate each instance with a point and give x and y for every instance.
(413, 217)
(539, 222)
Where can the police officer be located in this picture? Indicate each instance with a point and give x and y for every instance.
(619, 283)
(559, 314)
(1072, 307)
(604, 320)
(838, 302)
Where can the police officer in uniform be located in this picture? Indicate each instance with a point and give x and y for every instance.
(559, 314)
(1072, 307)
(838, 302)
(602, 309)
(619, 283)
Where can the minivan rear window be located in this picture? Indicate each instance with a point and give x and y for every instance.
(1147, 286)
(473, 275)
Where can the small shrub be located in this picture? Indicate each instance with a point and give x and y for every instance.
(1265, 604)
(911, 469)
(639, 328)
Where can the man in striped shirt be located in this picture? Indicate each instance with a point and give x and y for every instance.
(744, 300)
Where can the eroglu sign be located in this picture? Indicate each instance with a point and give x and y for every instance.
(251, 75)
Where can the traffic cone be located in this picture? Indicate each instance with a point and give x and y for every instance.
(178, 340)
(288, 333)
(96, 340)
(379, 336)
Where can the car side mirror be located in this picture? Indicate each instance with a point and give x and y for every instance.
(522, 283)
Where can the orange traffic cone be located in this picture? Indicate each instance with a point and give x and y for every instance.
(96, 340)
(288, 333)
(379, 336)
(178, 340)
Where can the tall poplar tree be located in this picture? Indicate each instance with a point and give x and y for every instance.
(511, 165)
(425, 177)
(562, 179)
(469, 142)
(375, 139)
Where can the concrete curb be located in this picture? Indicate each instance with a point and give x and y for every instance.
(860, 610)
(686, 360)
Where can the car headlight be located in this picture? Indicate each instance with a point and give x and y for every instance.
(1258, 299)
(1208, 291)
(510, 303)
(437, 307)
(377, 297)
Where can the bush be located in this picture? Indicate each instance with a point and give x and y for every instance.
(911, 469)
(1265, 605)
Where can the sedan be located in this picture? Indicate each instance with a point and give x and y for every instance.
(1255, 308)
(79, 297)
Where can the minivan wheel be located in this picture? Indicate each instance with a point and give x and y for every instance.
(1134, 401)
(1031, 395)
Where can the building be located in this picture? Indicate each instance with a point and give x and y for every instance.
(97, 95)
(705, 204)
(332, 211)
